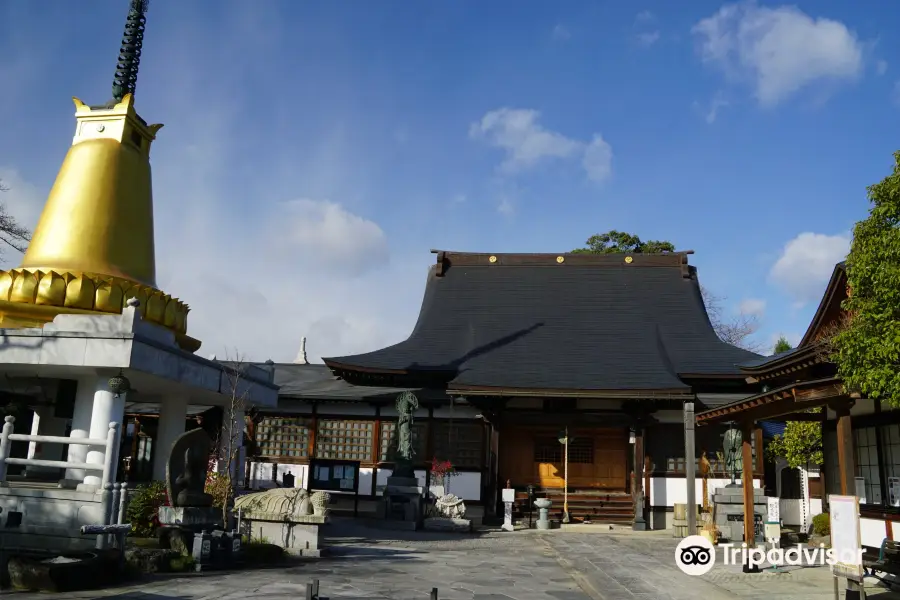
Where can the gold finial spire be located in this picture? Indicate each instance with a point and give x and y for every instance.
(93, 247)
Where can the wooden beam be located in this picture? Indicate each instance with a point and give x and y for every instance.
(846, 462)
(747, 481)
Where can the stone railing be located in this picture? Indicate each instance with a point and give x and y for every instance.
(108, 468)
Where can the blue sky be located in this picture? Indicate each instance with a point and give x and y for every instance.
(313, 153)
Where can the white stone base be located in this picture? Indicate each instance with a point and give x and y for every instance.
(51, 518)
(298, 539)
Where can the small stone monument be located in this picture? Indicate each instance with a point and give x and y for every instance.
(509, 498)
(543, 505)
(288, 517)
(403, 497)
(192, 510)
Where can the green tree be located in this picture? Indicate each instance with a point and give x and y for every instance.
(737, 331)
(782, 345)
(614, 241)
(800, 445)
(866, 348)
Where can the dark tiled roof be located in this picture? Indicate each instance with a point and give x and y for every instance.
(589, 322)
(316, 382)
(764, 360)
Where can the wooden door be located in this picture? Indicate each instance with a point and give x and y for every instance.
(597, 459)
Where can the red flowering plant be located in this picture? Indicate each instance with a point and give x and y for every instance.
(440, 471)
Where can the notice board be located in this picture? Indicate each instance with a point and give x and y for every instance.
(846, 540)
(336, 476)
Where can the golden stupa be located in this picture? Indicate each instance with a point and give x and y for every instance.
(93, 247)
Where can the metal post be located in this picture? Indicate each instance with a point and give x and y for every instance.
(8, 427)
(689, 471)
(566, 480)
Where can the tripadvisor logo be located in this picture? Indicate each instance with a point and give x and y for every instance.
(695, 555)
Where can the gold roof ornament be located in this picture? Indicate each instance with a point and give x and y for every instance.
(93, 247)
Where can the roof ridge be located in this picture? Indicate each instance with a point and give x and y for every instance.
(447, 258)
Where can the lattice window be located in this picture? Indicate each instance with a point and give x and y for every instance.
(581, 451)
(866, 446)
(548, 450)
(283, 437)
(890, 450)
(388, 443)
(460, 443)
(345, 440)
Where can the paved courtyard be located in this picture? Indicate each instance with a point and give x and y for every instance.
(524, 565)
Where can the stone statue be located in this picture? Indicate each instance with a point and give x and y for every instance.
(186, 470)
(448, 506)
(275, 504)
(734, 462)
(407, 403)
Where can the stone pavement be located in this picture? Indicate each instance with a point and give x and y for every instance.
(525, 565)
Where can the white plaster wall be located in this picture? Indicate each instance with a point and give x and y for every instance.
(815, 507)
(261, 475)
(895, 529)
(365, 481)
(465, 485)
(383, 474)
(872, 532)
(668, 491)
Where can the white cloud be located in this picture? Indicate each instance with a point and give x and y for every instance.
(561, 33)
(778, 50)
(505, 206)
(711, 112)
(324, 234)
(648, 38)
(881, 67)
(806, 263)
(752, 306)
(644, 16)
(597, 161)
(527, 143)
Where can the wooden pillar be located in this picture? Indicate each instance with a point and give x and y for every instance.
(640, 522)
(747, 481)
(846, 461)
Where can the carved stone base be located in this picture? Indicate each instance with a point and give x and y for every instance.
(190, 516)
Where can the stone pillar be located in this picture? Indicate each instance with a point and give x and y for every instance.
(172, 417)
(107, 408)
(45, 423)
(81, 425)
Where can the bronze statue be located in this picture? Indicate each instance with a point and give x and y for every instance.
(734, 462)
(186, 470)
(407, 403)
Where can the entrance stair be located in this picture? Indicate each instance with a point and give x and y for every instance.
(585, 506)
